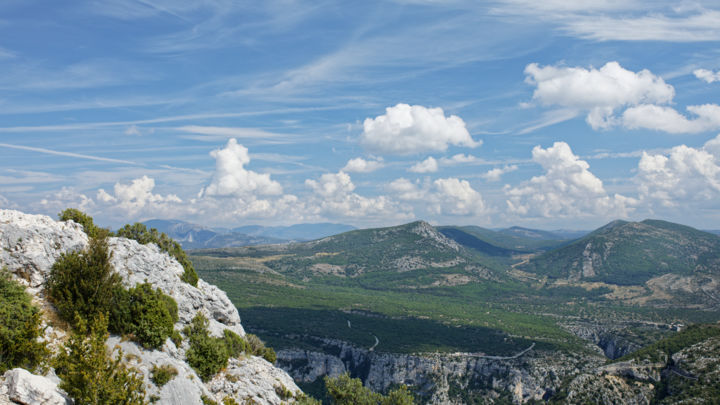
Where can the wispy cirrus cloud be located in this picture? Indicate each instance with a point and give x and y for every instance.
(68, 154)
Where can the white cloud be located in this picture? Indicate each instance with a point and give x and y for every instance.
(567, 188)
(669, 120)
(496, 173)
(682, 176)
(215, 133)
(428, 165)
(406, 190)
(598, 91)
(334, 198)
(133, 130)
(457, 197)
(449, 196)
(137, 197)
(360, 165)
(231, 179)
(67, 197)
(405, 129)
(707, 75)
(458, 159)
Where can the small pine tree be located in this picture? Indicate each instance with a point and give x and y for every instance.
(82, 282)
(19, 327)
(90, 375)
(344, 390)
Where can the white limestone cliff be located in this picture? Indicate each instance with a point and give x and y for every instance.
(30, 244)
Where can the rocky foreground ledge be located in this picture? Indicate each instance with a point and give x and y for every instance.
(30, 244)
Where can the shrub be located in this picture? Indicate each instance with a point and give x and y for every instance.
(81, 218)
(90, 375)
(140, 233)
(163, 374)
(147, 314)
(234, 343)
(256, 347)
(344, 390)
(207, 355)
(80, 282)
(19, 327)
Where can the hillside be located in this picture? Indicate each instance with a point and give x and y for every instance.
(513, 240)
(193, 236)
(33, 244)
(632, 253)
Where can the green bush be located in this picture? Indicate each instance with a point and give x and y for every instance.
(80, 282)
(147, 314)
(234, 343)
(256, 347)
(344, 390)
(163, 374)
(207, 355)
(90, 375)
(140, 233)
(19, 327)
(81, 218)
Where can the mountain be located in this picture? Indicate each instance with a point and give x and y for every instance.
(193, 236)
(298, 232)
(632, 253)
(511, 240)
(414, 254)
(452, 311)
(31, 244)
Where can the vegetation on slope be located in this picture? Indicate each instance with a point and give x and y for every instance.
(19, 327)
(631, 253)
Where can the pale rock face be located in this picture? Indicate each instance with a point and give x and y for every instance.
(29, 389)
(30, 244)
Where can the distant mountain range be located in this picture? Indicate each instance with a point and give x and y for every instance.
(193, 236)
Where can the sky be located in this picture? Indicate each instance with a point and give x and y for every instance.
(544, 114)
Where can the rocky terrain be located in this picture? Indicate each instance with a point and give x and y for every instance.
(451, 378)
(30, 244)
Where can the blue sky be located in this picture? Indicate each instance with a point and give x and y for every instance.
(552, 114)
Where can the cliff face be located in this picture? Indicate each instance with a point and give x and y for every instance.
(442, 379)
(30, 244)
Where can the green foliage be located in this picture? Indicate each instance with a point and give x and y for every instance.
(344, 390)
(663, 349)
(229, 401)
(19, 327)
(140, 233)
(90, 375)
(207, 400)
(256, 347)
(80, 282)
(163, 374)
(207, 355)
(81, 218)
(147, 314)
(234, 343)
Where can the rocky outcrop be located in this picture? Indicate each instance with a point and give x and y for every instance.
(22, 387)
(30, 244)
(440, 378)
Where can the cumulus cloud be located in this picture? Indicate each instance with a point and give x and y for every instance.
(405, 129)
(67, 197)
(600, 92)
(457, 197)
(360, 165)
(707, 75)
(428, 165)
(448, 196)
(682, 176)
(334, 197)
(669, 120)
(496, 173)
(137, 196)
(567, 188)
(231, 179)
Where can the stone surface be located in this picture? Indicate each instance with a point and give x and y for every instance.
(29, 389)
(30, 244)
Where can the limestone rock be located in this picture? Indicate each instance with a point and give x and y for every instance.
(29, 389)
